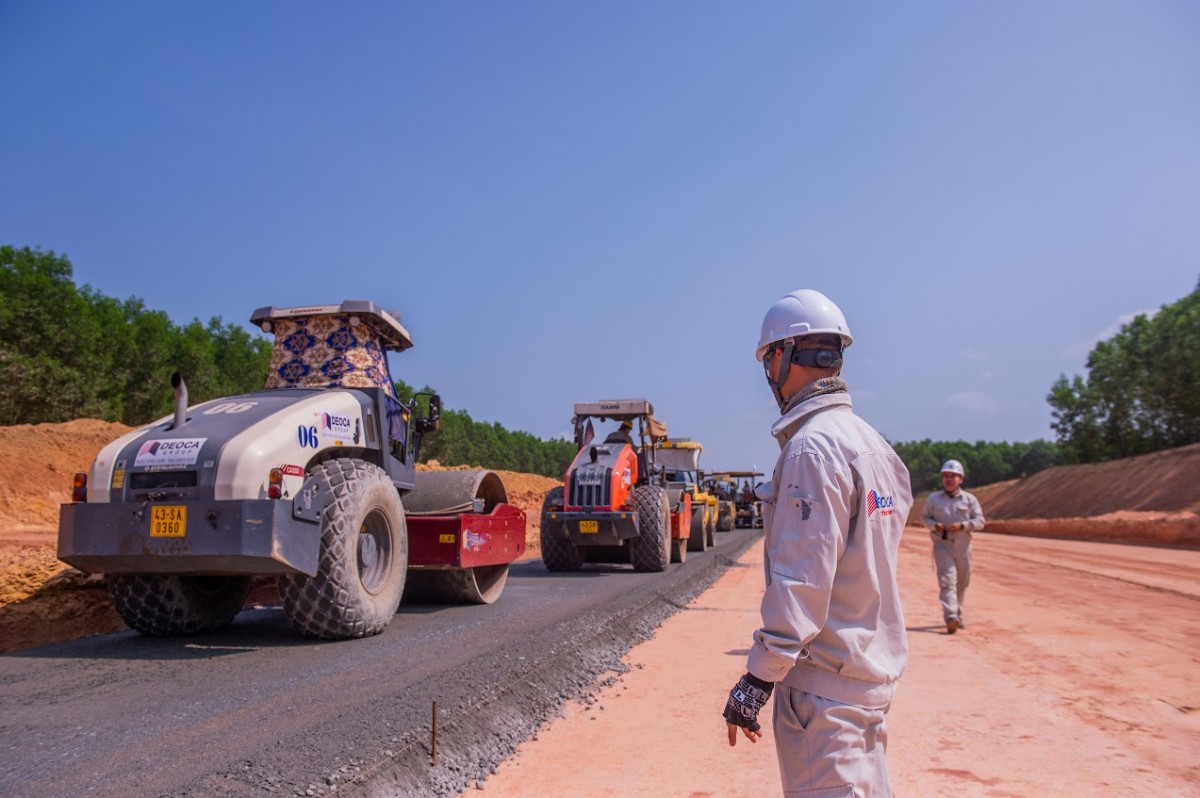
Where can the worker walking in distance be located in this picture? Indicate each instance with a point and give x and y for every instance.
(832, 644)
(952, 514)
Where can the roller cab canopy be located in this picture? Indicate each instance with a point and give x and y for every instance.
(680, 454)
(332, 346)
(622, 410)
(379, 323)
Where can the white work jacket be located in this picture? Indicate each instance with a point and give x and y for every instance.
(957, 508)
(832, 620)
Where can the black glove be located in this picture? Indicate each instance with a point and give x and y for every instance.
(746, 698)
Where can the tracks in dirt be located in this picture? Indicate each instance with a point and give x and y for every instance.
(1167, 569)
(1074, 652)
(257, 710)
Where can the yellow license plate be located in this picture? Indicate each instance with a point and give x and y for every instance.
(168, 522)
(589, 527)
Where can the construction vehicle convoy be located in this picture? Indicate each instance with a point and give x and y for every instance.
(680, 460)
(724, 488)
(312, 480)
(747, 505)
(615, 505)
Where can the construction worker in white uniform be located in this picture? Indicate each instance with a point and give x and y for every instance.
(832, 643)
(952, 514)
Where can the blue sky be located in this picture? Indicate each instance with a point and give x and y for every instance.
(573, 201)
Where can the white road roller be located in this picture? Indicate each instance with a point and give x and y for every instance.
(312, 480)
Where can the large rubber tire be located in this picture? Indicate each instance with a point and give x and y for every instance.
(163, 605)
(711, 525)
(363, 560)
(558, 554)
(725, 517)
(650, 551)
(698, 540)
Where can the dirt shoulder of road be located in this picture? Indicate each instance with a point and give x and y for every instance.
(1055, 692)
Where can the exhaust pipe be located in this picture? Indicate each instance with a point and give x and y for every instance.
(181, 404)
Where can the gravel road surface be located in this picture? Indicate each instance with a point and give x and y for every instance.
(258, 710)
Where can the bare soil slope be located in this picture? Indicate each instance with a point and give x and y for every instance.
(1152, 499)
(1162, 482)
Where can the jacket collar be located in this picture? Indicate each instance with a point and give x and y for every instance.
(786, 426)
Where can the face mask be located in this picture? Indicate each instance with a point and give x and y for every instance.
(811, 358)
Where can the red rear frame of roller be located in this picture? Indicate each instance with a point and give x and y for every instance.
(681, 522)
(466, 540)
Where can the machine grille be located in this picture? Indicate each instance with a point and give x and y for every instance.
(154, 480)
(590, 487)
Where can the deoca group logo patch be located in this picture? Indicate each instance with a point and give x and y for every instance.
(334, 425)
(176, 452)
(878, 503)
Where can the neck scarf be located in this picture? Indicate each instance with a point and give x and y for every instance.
(820, 387)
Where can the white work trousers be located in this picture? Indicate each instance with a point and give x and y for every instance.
(952, 557)
(827, 749)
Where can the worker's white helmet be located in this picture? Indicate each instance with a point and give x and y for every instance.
(953, 467)
(803, 312)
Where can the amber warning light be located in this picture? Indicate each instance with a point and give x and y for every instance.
(275, 484)
(79, 488)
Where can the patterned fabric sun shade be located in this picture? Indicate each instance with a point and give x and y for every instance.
(326, 352)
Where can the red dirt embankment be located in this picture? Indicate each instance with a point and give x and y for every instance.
(1152, 499)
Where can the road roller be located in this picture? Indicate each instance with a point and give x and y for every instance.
(312, 480)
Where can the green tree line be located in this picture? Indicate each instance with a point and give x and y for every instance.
(1141, 393)
(464, 441)
(71, 352)
(985, 462)
(68, 352)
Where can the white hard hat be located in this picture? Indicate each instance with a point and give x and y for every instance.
(953, 467)
(803, 312)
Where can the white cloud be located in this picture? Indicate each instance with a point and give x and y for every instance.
(1081, 349)
(974, 403)
(975, 354)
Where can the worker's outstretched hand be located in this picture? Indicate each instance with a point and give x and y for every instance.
(746, 698)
